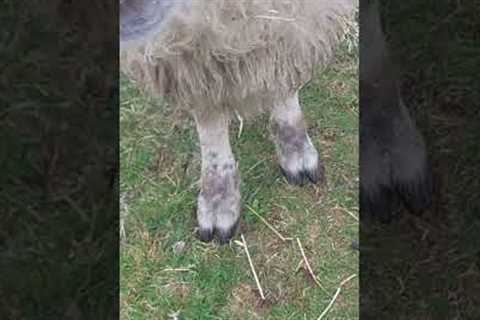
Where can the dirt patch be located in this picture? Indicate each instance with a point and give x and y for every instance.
(163, 165)
(247, 300)
(179, 289)
(338, 88)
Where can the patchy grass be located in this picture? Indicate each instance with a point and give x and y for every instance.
(165, 269)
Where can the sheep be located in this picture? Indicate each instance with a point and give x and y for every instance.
(393, 162)
(222, 58)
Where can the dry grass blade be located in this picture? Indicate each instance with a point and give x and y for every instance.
(268, 224)
(339, 289)
(252, 267)
(351, 214)
(240, 126)
(309, 268)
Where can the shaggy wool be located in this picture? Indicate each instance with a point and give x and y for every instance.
(237, 55)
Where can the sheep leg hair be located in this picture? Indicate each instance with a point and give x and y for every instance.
(218, 209)
(298, 158)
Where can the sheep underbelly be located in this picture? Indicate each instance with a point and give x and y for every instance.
(233, 61)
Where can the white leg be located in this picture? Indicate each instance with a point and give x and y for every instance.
(219, 199)
(296, 153)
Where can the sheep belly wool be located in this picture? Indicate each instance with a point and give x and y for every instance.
(237, 55)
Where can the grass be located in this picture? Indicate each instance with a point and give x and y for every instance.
(160, 163)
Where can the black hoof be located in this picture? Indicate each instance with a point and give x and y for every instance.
(205, 235)
(380, 205)
(417, 196)
(293, 179)
(224, 236)
(316, 176)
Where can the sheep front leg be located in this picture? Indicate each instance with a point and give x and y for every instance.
(218, 209)
(298, 157)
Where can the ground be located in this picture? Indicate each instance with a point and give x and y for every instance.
(166, 271)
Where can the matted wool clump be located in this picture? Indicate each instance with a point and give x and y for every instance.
(237, 55)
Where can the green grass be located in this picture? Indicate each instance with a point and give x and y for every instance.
(160, 163)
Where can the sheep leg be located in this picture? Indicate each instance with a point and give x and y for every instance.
(393, 162)
(394, 167)
(297, 156)
(219, 198)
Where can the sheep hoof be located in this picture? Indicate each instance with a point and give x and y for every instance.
(222, 235)
(380, 204)
(315, 175)
(205, 235)
(218, 206)
(416, 193)
(394, 175)
(411, 192)
(296, 179)
(225, 235)
(218, 224)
